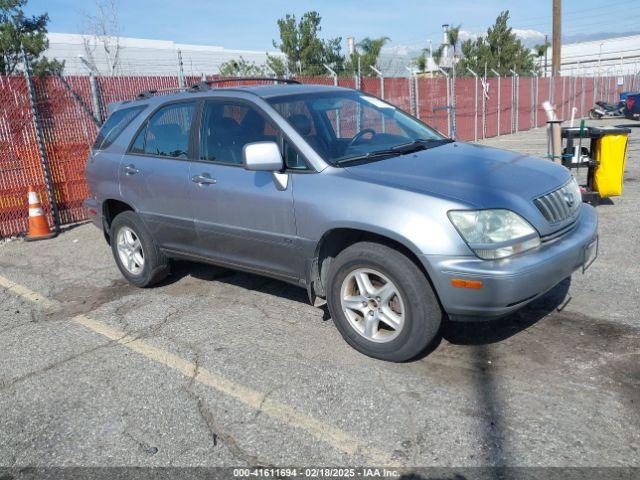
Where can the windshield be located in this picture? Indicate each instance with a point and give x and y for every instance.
(344, 126)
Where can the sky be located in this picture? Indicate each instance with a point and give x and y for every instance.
(251, 24)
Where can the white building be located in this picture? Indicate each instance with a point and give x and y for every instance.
(610, 56)
(137, 56)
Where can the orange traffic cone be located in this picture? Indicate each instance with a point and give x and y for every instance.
(38, 226)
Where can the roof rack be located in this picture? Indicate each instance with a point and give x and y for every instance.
(153, 91)
(206, 85)
(252, 79)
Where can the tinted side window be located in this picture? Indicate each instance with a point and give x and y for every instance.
(167, 132)
(138, 144)
(228, 126)
(114, 126)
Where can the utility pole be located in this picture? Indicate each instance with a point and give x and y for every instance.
(557, 37)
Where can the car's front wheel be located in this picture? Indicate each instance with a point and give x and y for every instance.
(138, 257)
(381, 302)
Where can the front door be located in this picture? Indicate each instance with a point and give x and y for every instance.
(241, 217)
(154, 175)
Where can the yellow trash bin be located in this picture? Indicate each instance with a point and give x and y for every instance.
(610, 150)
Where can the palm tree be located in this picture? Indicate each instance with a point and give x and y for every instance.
(369, 51)
(437, 55)
(453, 36)
(540, 51)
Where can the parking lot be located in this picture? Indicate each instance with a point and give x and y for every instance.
(219, 368)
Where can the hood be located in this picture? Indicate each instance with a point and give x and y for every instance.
(478, 176)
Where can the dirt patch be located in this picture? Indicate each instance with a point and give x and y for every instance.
(78, 300)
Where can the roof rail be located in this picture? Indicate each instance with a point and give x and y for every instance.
(151, 92)
(206, 85)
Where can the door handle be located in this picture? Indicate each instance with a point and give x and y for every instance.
(130, 169)
(204, 179)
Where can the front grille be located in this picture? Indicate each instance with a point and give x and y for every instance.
(561, 204)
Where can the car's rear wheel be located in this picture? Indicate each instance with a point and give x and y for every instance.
(381, 302)
(138, 257)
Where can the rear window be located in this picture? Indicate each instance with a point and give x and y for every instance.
(114, 126)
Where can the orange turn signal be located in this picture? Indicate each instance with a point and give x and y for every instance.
(460, 283)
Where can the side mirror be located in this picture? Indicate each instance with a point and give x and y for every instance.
(262, 157)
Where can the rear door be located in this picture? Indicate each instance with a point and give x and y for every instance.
(154, 174)
(241, 217)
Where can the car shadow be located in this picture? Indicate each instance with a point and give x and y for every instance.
(481, 332)
(249, 281)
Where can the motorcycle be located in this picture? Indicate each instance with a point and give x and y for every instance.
(607, 110)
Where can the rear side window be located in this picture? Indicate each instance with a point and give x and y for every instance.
(114, 126)
(166, 133)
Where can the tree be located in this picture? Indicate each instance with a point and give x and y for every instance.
(102, 33)
(453, 35)
(277, 65)
(16, 29)
(421, 62)
(437, 54)
(241, 68)
(540, 52)
(500, 49)
(306, 54)
(368, 49)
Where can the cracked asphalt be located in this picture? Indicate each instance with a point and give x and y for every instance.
(219, 368)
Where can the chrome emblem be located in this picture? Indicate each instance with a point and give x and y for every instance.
(569, 198)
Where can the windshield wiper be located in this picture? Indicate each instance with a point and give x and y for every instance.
(422, 144)
(397, 150)
(369, 156)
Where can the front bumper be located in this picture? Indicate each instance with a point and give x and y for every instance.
(511, 283)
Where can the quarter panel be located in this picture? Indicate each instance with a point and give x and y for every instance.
(102, 175)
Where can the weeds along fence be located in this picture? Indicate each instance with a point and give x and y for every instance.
(67, 111)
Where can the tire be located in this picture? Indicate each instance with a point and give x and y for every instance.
(593, 115)
(415, 306)
(155, 265)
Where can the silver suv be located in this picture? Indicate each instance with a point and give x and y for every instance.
(338, 192)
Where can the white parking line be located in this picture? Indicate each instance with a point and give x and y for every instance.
(334, 436)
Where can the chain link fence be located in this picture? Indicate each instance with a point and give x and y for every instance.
(68, 110)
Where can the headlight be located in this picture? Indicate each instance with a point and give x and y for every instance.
(494, 234)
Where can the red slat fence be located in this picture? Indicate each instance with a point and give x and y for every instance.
(68, 131)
